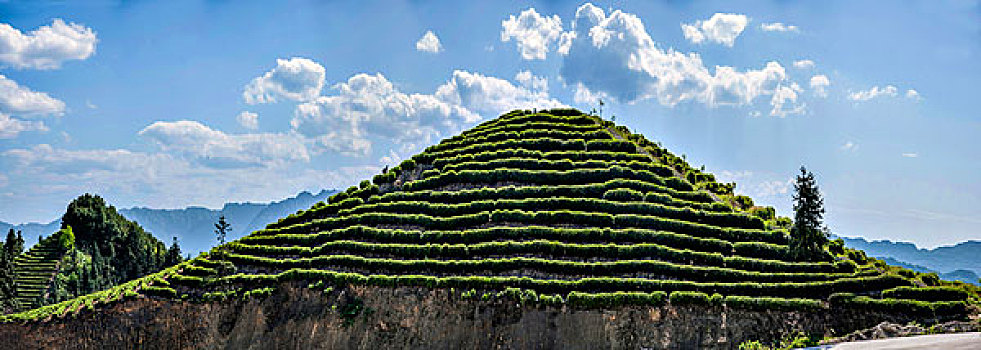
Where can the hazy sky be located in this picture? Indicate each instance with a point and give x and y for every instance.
(170, 104)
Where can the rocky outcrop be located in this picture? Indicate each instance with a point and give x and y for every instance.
(358, 317)
(892, 330)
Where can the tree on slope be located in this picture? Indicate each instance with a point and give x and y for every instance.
(222, 228)
(173, 254)
(120, 248)
(808, 234)
(11, 248)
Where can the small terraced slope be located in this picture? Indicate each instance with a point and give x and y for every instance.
(554, 208)
(34, 270)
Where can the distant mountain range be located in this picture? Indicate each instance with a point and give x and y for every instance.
(194, 226)
(960, 262)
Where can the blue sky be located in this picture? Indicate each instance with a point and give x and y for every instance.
(171, 104)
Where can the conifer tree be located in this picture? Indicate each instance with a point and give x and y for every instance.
(222, 228)
(8, 252)
(173, 254)
(808, 233)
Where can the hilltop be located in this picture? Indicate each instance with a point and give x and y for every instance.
(534, 229)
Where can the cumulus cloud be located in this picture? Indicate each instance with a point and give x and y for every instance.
(429, 43)
(820, 83)
(46, 47)
(297, 79)
(531, 81)
(721, 28)
(490, 96)
(368, 107)
(803, 64)
(615, 56)
(21, 101)
(217, 149)
(248, 120)
(913, 94)
(778, 27)
(11, 127)
(875, 91)
(532, 32)
(784, 101)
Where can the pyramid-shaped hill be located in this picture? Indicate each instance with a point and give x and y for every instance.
(559, 211)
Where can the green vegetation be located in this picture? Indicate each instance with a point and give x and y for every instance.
(9, 250)
(96, 248)
(551, 209)
(809, 235)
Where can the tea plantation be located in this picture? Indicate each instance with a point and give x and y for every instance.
(552, 208)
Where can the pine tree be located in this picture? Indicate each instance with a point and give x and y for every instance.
(173, 254)
(222, 228)
(808, 234)
(9, 252)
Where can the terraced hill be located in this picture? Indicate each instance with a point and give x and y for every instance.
(555, 209)
(34, 270)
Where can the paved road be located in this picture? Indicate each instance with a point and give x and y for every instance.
(957, 341)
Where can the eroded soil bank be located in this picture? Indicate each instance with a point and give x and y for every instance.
(300, 318)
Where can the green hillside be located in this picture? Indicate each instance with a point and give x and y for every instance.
(552, 208)
(35, 268)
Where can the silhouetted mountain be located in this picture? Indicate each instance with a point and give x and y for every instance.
(944, 260)
(956, 275)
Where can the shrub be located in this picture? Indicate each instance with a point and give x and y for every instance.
(623, 195)
(689, 298)
(927, 293)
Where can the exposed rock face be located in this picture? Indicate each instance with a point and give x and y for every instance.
(302, 318)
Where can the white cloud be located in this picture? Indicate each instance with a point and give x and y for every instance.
(11, 127)
(804, 64)
(532, 32)
(820, 83)
(220, 150)
(21, 101)
(849, 146)
(73, 162)
(910, 155)
(772, 188)
(778, 27)
(783, 96)
(46, 47)
(913, 95)
(490, 96)
(297, 79)
(875, 91)
(368, 107)
(721, 28)
(531, 82)
(248, 120)
(614, 55)
(429, 43)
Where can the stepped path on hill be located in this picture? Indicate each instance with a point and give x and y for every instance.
(556, 208)
(34, 270)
